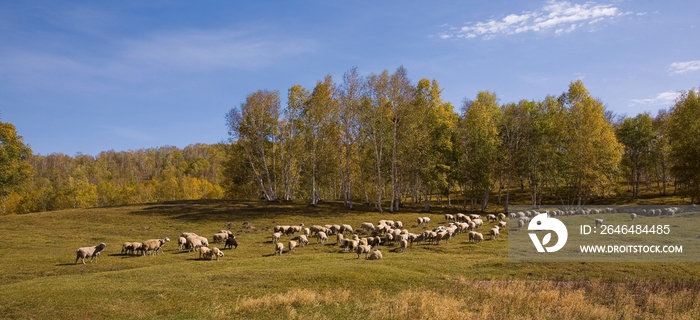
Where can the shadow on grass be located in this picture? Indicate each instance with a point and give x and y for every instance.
(212, 210)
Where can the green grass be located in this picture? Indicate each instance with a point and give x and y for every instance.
(38, 278)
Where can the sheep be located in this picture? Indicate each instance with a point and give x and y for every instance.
(449, 217)
(478, 237)
(420, 221)
(303, 240)
(521, 224)
(365, 248)
(154, 245)
(376, 255)
(220, 237)
(217, 253)
(231, 242)
(276, 237)
(367, 227)
(494, 233)
(599, 222)
(292, 245)
(194, 243)
(204, 241)
(181, 243)
(351, 245)
(279, 247)
(305, 231)
(321, 237)
(491, 217)
(478, 222)
(633, 216)
(92, 252)
(402, 245)
(204, 253)
(501, 224)
(137, 247)
(399, 224)
(347, 228)
(126, 247)
(339, 238)
(502, 216)
(426, 221)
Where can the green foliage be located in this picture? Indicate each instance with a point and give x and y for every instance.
(684, 130)
(637, 135)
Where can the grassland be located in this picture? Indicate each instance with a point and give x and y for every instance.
(459, 280)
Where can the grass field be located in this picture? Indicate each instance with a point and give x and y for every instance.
(38, 278)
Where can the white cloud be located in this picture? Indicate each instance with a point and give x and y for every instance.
(561, 16)
(662, 99)
(683, 67)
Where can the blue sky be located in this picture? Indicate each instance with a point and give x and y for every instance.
(93, 76)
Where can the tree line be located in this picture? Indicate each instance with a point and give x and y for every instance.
(381, 139)
(385, 141)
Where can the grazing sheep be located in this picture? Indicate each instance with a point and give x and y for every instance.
(154, 245)
(217, 253)
(194, 243)
(449, 217)
(501, 224)
(181, 243)
(376, 255)
(303, 240)
(398, 224)
(402, 245)
(339, 238)
(521, 224)
(363, 249)
(220, 237)
(491, 217)
(279, 247)
(351, 245)
(494, 233)
(599, 222)
(92, 252)
(478, 237)
(276, 237)
(231, 242)
(204, 253)
(633, 216)
(420, 221)
(292, 245)
(127, 247)
(321, 237)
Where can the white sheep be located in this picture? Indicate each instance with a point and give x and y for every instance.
(154, 245)
(279, 247)
(92, 252)
(292, 245)
(449, 217)
(217, 253)
(276, 237)
(363, 249)
(181, 243)
(633, 216)
(494, 233)
(376, 255)
(303, 240)
(220, 237)
(478, 237)
(321, 237)
(339, 238)
(193, 243)
(403, 244)
(205, 253)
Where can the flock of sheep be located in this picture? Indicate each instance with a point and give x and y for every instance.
(364, 241)
(523, 217)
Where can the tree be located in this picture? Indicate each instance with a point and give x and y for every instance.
(480, 136)
(254, 126)
(350, 95)
(321, 134)
(637, 135)
(592, 151)
(684, 131)
(14, 166)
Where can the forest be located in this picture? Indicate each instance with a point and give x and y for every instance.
(385, 141)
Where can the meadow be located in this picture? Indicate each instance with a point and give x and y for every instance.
(457, 280)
